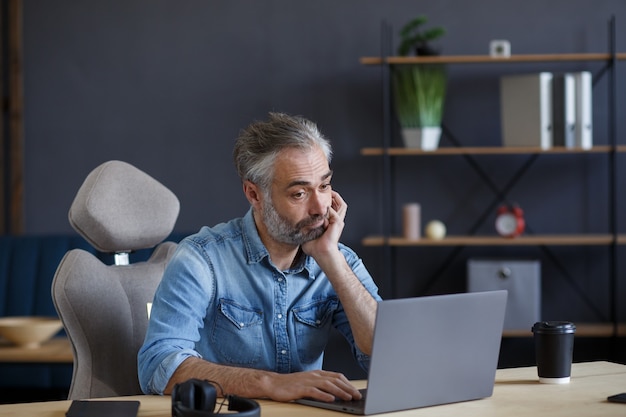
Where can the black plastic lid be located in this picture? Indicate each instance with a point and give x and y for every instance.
(554, 327)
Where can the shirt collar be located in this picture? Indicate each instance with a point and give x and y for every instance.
(255, 248)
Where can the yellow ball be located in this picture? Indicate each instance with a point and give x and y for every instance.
(436, 230)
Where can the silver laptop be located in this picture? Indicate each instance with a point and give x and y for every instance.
(430, 351)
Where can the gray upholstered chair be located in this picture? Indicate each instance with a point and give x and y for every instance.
(118, 209)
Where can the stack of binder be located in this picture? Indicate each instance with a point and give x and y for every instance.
(545, 110)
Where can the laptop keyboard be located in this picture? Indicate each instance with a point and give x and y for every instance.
(353, 403)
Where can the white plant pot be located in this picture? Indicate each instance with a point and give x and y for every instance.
(425, 138)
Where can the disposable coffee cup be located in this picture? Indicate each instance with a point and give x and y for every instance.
(554, 346)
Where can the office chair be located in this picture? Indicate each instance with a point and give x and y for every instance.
(118, 209)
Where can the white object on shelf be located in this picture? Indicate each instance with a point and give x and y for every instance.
(435, 230)
(584, 101)
(500, 48)
(425, 138)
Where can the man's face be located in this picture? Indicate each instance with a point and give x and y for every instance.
(296, 211)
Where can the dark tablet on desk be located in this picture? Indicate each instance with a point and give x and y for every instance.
(87, 408)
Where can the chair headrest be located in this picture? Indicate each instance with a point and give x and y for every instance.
(120, 208)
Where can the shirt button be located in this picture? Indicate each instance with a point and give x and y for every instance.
(284, 352)
(318, 321)
(242, 324)
(280, 279)
(280, 316)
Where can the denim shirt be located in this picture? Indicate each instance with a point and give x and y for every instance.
(221, 299)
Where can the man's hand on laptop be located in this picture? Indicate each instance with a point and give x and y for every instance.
(320, 385)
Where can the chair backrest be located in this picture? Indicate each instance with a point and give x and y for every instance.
(118, 209)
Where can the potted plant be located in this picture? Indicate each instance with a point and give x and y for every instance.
(419, 89)
(418, 40)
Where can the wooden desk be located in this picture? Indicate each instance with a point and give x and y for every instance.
(517, 393)
(55, 350)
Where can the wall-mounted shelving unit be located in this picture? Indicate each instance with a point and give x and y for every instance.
(388, 153)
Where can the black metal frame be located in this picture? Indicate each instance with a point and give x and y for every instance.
(500, 195)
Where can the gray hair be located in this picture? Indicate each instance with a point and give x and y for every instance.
(258, 145)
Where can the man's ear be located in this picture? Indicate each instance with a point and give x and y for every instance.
(253, 194)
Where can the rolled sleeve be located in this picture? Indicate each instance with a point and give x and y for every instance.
(159, 375)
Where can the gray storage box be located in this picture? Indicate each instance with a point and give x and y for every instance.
(521, 278)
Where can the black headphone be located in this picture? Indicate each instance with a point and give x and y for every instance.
(196, 398)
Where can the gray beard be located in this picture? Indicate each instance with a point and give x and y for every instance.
(282, 231)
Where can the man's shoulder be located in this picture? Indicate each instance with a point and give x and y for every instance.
(229, 230)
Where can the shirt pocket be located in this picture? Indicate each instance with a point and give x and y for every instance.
(238, 333)
(312, 327)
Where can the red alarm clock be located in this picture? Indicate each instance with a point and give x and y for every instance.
(510, 221)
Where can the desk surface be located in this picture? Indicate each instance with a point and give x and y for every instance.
(517, 393)
(55, 350)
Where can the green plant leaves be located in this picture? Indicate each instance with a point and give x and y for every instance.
(412, 38)
(419, 94)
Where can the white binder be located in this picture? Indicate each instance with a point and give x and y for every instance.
(584, 105)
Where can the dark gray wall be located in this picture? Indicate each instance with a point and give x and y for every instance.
(166, 85)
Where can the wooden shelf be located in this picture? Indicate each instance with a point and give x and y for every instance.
(606, 61)
(582, 330)
(532, 240)
(55, 350)
(486, 59)
(488, 150)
